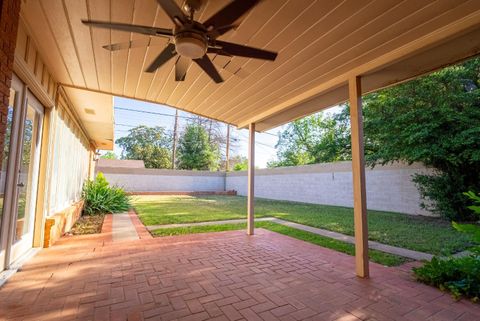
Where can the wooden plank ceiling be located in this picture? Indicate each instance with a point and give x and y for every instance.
(320, 43)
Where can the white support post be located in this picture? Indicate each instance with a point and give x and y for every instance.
(251, 176)
(358, 170)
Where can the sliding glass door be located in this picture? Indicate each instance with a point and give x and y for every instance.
(21, 162)
(4, 215)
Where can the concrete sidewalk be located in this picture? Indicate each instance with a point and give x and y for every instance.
(123, 228)
(414, 255)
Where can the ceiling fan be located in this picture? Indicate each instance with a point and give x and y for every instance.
(192, 39)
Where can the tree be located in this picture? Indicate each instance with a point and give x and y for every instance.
(195, 151)
(434, 120)
(219, 136)
(239, 163)
(109, 155)
(150, 144)
(314, 139)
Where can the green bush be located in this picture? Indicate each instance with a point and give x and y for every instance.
(100, 197)
(460, 276)
(472, 230)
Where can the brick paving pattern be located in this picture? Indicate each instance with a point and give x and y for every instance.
(414, 255)
(216, 276)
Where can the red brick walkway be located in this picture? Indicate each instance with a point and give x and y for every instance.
(217, 276)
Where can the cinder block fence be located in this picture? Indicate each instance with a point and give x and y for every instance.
(389, 188)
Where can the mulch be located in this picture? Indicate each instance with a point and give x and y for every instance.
(88, 224)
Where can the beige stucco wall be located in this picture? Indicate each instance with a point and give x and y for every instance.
(389, 188)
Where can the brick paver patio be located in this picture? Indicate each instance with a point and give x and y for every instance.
(215, 276)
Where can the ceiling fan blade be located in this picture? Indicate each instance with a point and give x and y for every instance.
(215, 33)
(128, 44)
(173, 11)
(232, 68)
(245, 51)
(229, 14)
(181, 68)
(146, 30)
(206, 64)
(167, 54)
(218, 51)
(225, 29)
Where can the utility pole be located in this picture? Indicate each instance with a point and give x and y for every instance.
(227, 152)
(210, 131)
(174, 147)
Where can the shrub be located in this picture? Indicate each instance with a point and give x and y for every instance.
(473, 230)
(460, 276)
(442, 193)
(100, 197)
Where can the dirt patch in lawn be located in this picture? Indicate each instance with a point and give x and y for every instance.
(88, 224)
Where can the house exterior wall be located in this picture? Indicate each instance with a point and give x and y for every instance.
(67, 167)
(69, 161)
(389, 188)
(66, 151)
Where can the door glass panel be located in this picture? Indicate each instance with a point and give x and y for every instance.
(26, 186)
(5, 153)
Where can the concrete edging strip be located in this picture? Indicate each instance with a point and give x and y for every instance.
(415, 255)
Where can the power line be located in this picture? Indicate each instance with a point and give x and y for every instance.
(125, 125)
(152, 112)
(275, 135)
(256, 142)
(184, 117)
(169, 115)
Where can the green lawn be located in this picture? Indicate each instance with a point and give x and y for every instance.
(424, 234)
(375, 256)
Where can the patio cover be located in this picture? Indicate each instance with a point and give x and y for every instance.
(321, 45)
(330, 51)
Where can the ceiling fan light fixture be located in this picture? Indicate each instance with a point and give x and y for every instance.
(191, 45)
(191, 38)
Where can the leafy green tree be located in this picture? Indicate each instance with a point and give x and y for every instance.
(195, 150)
(150, 144)
(240, 163)
(217, 136)
(434, 120)
(314, 139)
(109, 155)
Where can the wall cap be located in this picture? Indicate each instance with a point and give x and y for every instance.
(345, 166)
(155, 171)
(303, 169)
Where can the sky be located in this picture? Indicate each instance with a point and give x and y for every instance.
(129, 113)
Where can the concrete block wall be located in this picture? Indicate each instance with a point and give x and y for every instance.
(389, 188)
(163, 180)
